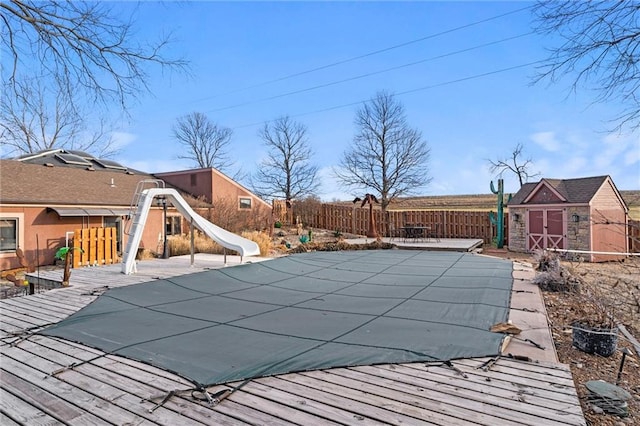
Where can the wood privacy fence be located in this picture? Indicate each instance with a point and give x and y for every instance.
(98, 247)
(444, 223)
(634, 236)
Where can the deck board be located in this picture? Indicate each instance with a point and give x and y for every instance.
(106, 389)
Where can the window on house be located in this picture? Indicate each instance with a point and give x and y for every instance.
(8, 234)
(174, 225)
(245, 203)
(194, 179)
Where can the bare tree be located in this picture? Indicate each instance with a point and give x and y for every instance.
(204, 141)
(82, 52)
(37, 120)
(514, 164)
(598, 45)
(287, 171)
(386, 155)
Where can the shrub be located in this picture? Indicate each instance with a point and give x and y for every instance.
(180, 245)
(341, 246)
(262, 239)
(553, 276)
(225, 214)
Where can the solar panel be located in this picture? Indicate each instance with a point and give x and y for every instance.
(72, 159)
(82, 154)
(108, 164)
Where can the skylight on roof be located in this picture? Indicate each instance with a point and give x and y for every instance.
(108, 164)
(72, 159)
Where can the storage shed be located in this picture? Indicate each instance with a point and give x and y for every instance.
(584, 214)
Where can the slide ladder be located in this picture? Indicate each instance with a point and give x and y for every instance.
(144, 200)
(131, 226)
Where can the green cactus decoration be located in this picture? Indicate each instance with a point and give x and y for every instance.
(498, 220)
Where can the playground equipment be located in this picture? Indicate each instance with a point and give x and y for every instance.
(143, 200)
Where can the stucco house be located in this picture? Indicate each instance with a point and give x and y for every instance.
(583, 214)
(46, 196)
(212, 185)
(231, 205)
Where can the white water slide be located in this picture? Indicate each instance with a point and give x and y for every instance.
(221, 236)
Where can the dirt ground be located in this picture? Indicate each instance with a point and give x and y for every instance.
(616, 286)
(613, 287)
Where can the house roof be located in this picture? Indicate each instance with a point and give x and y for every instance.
(574, 191)
(59, 177)
(28, 183)
(211, 170)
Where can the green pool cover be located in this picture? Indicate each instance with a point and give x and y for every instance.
(303, 312)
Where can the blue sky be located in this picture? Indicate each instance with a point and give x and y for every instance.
(458, 95)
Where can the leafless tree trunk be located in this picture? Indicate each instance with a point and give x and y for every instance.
(204, 141)
(287, 171)
(598, 44)
(83, 53)
(515, 164)
(386, 154)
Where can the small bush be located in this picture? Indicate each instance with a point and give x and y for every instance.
(180, 245)
(341, 246)
(262, 239)
(547, 261)
(553, 276)
(278, 224)
(558, 281)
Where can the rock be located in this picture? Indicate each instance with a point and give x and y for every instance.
(597, 409)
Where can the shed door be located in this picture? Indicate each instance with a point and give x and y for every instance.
(546, 229)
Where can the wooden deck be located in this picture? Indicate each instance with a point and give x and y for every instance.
(50, 381)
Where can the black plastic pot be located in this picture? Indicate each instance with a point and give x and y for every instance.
(598, 340)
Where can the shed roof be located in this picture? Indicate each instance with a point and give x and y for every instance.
(574, 191)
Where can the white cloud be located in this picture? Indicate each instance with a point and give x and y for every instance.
(122, 139)
(632, 156)
(575, 165)
(613, 145)
(546, 140)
